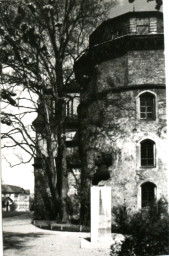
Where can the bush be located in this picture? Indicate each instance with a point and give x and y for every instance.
(13, 207)
(43, 209)
(121, 219)
(118, 240)
(149, 232)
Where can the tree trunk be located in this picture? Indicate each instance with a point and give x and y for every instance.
(62, 163)
(64, 186)
(85, 186)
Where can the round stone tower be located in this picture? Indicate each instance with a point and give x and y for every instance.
(123, 108)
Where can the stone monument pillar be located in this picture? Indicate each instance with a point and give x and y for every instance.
(100, 222)
(100, 214)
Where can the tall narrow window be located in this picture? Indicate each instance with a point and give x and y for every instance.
(147, 153)
(147, 106)
(147, 194)
(69, 108)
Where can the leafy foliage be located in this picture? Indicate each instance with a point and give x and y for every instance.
(148, 231)
(121, 219)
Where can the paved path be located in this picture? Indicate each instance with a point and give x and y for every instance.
(21, 238)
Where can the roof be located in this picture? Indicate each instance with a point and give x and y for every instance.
(132, 14)
(4, 199)
(11, 189)
(137, 14)
(124, 17)
(27, 191)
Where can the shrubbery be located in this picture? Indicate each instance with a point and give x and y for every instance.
(147, 231)
(13, 207)
(121, 219)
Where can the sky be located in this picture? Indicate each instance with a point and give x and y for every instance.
(22, 175)
(124, 6)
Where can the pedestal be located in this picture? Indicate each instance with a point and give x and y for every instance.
(100, 218)
(100, 214)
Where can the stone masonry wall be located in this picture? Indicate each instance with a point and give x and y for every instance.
(134, 68)
(146, 67)
(110, 124)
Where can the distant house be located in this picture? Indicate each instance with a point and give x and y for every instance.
(15, 198)
(7, 204)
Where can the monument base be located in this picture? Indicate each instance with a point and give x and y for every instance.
(87, 244)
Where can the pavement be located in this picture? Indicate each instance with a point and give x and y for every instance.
(21, 238)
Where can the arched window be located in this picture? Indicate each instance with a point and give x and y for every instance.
(147, 106)
(147, 153)
(148, 194)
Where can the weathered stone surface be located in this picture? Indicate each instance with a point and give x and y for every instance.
(119, 132)
(146, 67)
(111, 123)
(133, 69)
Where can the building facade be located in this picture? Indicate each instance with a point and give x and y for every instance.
(123, 107)
(15, 198)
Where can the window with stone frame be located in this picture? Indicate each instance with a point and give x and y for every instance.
(142, 29)
(147, 106)
(143, 26)
(147, 153)
(148, 197)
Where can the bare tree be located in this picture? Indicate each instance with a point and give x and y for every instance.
(39, 42)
